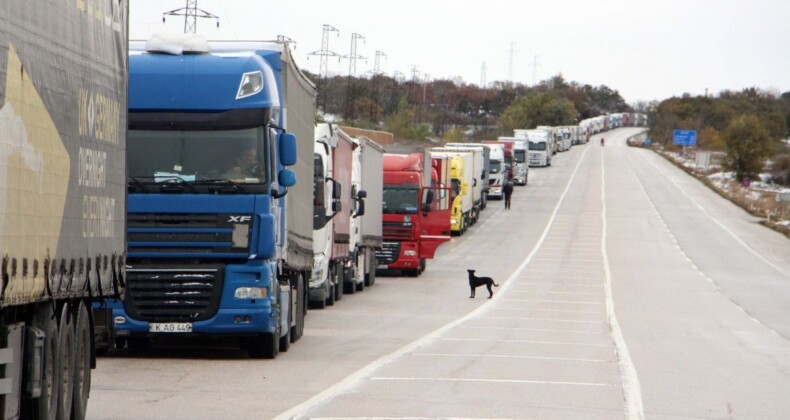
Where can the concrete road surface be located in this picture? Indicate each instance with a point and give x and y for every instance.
(626, 290)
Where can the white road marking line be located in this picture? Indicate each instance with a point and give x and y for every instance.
(707, 277)
(553, 343)
(482, 380)
(567, 301)
(338, 388)
(555, 293)
(474, 327)
(632, 390)
(547, 310)
(704, 210)
(505, 356)
(517, 318)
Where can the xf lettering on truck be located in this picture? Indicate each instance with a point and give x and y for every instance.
(98, 217)
(239, 219)
(99, 117)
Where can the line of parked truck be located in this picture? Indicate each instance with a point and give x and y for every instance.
(165, 191)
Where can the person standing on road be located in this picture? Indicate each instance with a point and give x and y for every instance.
(507, 190)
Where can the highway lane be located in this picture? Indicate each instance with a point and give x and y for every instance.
(617, 299)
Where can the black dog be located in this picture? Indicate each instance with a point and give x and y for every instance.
(475, 282)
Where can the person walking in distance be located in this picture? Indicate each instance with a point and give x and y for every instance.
(507, 190)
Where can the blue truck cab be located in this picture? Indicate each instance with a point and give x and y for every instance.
(209, 163)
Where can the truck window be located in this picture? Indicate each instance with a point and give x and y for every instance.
(520, 156)
(195, 156)
(401, 199)
(496, 167)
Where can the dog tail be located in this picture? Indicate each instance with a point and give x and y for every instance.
(495, 285)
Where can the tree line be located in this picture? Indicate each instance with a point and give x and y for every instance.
(751, 126)
(747, 125)
(451, 109)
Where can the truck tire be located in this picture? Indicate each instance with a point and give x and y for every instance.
(348, 281)
(45, 406)
(82, 362)
(330, 295)
(284, 342)
(66, 356)
(266, 345)
(298, 331)
(338, 276)
(370, 276)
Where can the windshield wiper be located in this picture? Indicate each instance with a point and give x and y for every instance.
(174, 184)
(136, 182)
(230, 186)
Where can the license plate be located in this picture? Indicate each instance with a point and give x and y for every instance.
(170, 327)
(383, 266)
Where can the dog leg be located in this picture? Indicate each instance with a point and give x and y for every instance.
(472, 296)
(490, 292)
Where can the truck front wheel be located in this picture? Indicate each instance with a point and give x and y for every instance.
(45, 406)
(82, 365)
(66, 357)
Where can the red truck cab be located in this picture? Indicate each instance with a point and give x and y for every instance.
(415, 213)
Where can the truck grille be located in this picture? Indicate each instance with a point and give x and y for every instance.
(388, 253)
(203, 234)
(161, 294)
(398, 231)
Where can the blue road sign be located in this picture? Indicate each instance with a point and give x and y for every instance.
(685, 138)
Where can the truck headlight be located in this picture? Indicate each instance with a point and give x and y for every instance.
(453, 221)
(251, 83)
(250, 293)
(410, 253)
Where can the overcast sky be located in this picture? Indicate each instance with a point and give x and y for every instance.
(644, 49)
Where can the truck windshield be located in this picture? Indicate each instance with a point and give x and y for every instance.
(198, 158)
(401, 199)
(520, 156)
(537, 146)
(496, 166)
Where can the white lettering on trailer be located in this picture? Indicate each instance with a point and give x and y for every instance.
(91, 169)
(98, 216)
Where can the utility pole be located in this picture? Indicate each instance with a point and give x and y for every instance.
(190, 14)
(285, 39)
(352, 70)
(324, 52)
(377, 62)
(534, 70)
(376, 73)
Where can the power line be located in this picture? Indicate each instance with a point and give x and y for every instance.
(352, 70)
(377, 62)
(353, 56)
(191, 13)
(323, 68)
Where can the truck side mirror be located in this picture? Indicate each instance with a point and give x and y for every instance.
(362, 194)
(360, 207)
(286, 178)
(287, 148)
(336, 191)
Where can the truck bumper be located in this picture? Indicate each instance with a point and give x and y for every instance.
(230, 315)
(231, 322)
(495, 192)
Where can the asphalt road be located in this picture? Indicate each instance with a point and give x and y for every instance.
(626, 290)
